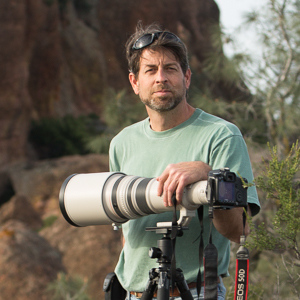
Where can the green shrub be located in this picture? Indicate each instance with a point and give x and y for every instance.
(67, 287)
(275, 232)
(120, 110)
(281, 186)
(47, 222)
(52, 137)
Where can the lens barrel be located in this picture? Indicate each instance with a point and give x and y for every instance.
(109, 197)
(113, 197)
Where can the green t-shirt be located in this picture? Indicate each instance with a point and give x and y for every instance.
(138, 150)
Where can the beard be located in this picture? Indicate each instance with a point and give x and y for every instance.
(163, 103)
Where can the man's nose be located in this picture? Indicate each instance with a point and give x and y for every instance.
(161, 75)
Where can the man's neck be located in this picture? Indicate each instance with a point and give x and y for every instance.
(161, 121)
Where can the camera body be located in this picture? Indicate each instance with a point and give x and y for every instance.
(225, 190)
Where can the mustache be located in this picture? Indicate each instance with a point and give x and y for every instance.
(162, 87)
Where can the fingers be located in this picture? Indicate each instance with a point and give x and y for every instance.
(171, 182)
(170, 189)
(177, 176)
(167, 190)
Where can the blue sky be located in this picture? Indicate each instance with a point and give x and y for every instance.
(232, 12)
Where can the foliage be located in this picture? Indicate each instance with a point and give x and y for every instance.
(49, 221)
(120, 110)
(80, 5)
(61, 3)
(274, 77)
(54, 137)
(48, 2)
(279, 232)
(282, 192)
(242, 114)
(68, 288)
(225, 94)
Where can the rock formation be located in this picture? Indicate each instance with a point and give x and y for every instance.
(57, 57)
(36, 243)
(28, 262)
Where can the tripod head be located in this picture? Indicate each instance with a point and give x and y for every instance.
(167, 229)
(166, 274)
(164, 250)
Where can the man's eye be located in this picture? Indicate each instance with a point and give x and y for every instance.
(149, 70)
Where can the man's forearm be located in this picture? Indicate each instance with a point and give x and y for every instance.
(230, 223)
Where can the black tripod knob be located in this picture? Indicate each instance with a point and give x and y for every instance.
(155, 252)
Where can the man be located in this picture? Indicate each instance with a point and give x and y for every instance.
(178, 145)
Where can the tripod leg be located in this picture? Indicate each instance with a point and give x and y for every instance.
(151, 286)
(163, 290)
(182, 286)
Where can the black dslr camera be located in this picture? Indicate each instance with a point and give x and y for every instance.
(225, 190)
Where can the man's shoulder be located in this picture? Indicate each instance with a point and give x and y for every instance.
(215, 123)
(130, 130)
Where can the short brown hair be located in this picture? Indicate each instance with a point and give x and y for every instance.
(175, 46)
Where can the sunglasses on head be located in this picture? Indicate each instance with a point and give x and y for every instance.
(148, 38)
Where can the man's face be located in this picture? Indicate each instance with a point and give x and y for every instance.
(160, 84)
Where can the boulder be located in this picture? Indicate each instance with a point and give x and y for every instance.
(19, 208)
(90, 252)
(40, 181)
(28, 263)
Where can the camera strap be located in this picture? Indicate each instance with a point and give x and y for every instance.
(201, 247)
(209, 258)
(242, 267)
(174, 233)
(210, 270)
(112, 288)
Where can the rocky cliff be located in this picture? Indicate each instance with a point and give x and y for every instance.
(58, 56)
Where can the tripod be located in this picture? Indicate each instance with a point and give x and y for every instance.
(161, 278)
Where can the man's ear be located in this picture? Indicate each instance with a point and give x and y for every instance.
(134, 83)
(188, 76)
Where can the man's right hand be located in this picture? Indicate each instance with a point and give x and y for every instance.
(177, 176)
